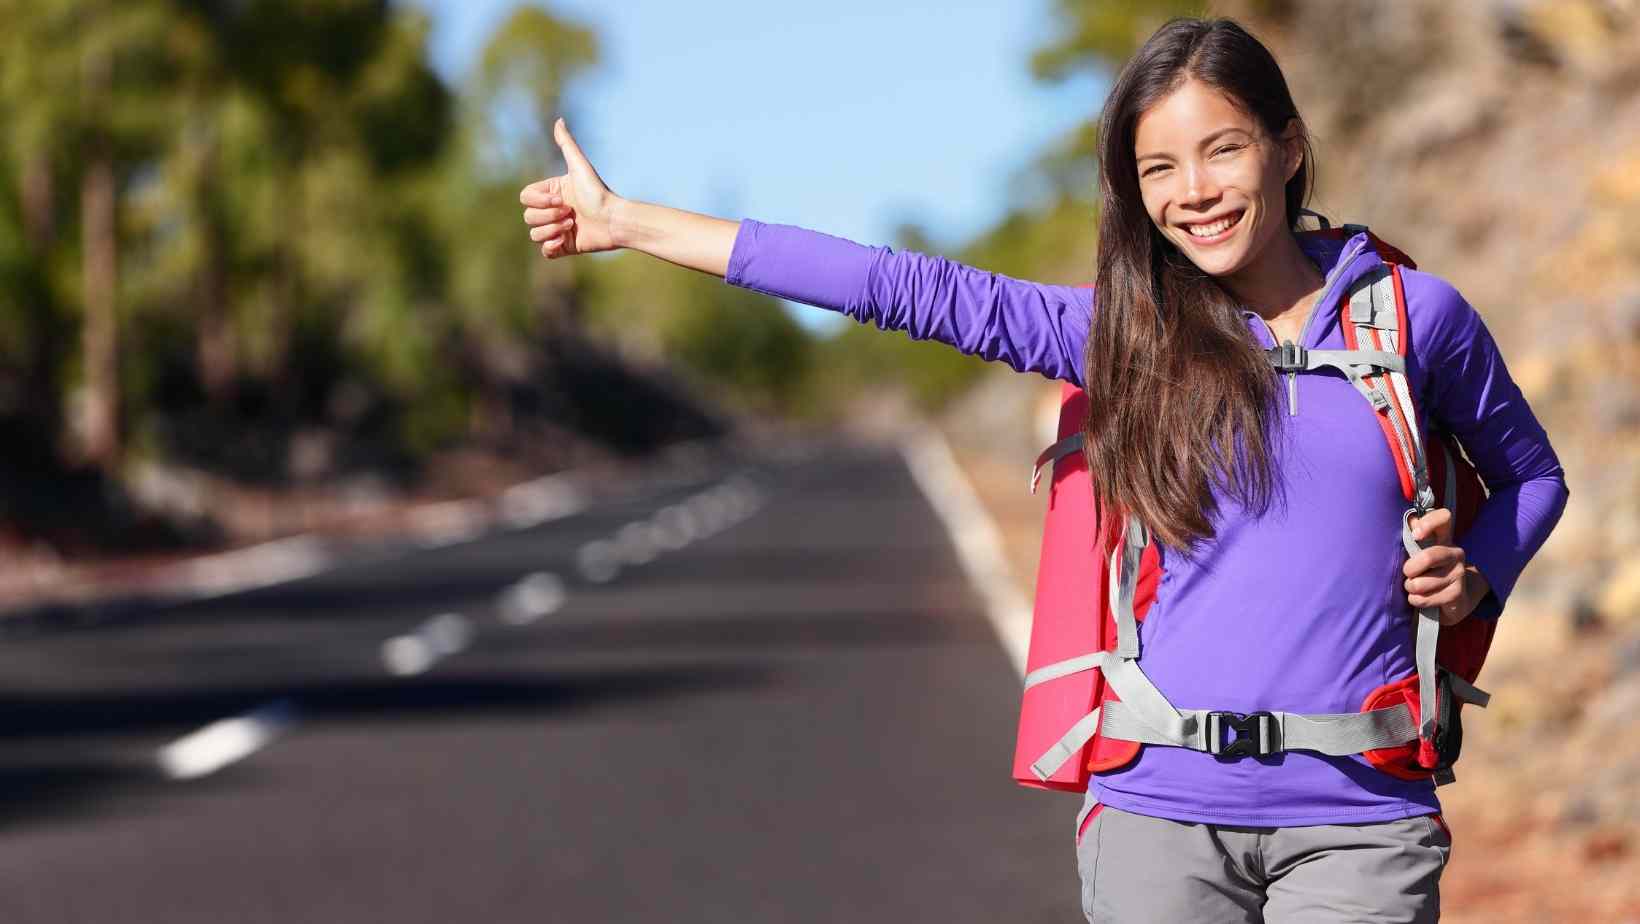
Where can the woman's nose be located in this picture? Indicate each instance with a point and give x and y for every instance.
(1199, 187)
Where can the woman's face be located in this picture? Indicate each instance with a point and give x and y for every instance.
(1212, 180)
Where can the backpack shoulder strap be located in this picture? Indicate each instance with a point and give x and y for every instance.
(1376, 319)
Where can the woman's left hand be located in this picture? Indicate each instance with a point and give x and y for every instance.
(1437, 576)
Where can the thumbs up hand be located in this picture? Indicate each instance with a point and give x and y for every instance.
(570, 213)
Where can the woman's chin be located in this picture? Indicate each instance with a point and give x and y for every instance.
(1217, 261)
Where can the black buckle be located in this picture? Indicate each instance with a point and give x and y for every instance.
(1448, 739)
(1256, 734)
(1289, 357)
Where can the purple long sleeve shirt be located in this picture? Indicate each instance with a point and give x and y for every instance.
(1301, 609)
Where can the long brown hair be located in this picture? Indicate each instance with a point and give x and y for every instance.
(1181, 401)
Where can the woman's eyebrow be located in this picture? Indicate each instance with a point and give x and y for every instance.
(1203, 143)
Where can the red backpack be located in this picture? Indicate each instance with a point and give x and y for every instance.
(1087, 707)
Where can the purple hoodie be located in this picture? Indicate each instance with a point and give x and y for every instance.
(1302, 609)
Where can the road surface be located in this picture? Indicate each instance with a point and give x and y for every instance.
(795, 712)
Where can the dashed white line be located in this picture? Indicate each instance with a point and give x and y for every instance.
(225, 741)
(633, 546)
(677, 526)
(597, 561)
(406, 655)
(447, 633)
(437, 638)
(536, 595)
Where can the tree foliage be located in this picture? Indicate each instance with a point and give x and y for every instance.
(230, 222)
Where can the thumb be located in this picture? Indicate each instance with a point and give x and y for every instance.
(566, 143)
(1436, 525)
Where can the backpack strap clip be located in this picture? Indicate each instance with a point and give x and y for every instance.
(1257, 734)
(1289, 357)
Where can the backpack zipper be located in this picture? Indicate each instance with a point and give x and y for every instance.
(1304, 330)
(1292, 377)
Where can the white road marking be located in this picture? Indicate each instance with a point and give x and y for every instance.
(534, 596)
(597, 561)
(632, 544)
(711, 510)
(435, 639)
(447, 633)
(406, 655)
(975, 535)
(225, 741)
(677, 524)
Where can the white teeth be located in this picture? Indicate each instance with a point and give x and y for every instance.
(1216, 228)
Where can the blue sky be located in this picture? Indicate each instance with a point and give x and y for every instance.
(849, 117)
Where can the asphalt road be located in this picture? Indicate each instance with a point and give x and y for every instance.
(802, 716)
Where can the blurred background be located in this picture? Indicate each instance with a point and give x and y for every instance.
(357, 563)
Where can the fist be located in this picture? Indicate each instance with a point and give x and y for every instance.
(1437, 576)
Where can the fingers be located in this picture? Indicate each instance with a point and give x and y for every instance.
(1436, 557)
(1442, 599)
(543, 193)
(1432, 583)
(535, 217)
(541, 233)
(1437, 523)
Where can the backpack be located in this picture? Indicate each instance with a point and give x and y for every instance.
(1087, 707)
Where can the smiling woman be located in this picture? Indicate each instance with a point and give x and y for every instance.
(1199, 191)
(1258, 622)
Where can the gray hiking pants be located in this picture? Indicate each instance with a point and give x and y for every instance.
(1141, 869)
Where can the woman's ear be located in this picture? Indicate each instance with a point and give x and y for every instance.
(1292, 148)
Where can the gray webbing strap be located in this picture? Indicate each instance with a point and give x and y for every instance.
(1067, 747)
(1053, 454)
(1342, 360)
(1467, 691)
(1076, 665)
(1373, 305)
(1337, 734)
(1139, 696)
(1126, 555)
(1356, 366)
(1428, 635)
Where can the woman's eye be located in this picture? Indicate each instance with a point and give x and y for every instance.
(1225, 148)
(1154, 168)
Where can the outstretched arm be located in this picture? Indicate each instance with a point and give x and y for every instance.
(576, 213)
(1030, 326)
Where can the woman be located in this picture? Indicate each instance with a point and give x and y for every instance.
(1251, 487)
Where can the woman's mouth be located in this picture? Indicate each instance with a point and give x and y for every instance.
(1214, 231)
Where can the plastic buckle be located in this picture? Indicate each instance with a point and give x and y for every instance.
(1448, 739)
(1289, 357)
(1255, 734)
